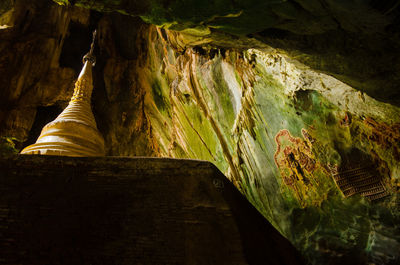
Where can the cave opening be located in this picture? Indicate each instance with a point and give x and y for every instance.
(79, 37)
(75, 46)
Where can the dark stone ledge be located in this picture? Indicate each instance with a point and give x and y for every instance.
(115, 210)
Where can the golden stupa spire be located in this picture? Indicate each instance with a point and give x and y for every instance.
(74, 132)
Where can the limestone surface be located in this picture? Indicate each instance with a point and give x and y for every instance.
(316, 153)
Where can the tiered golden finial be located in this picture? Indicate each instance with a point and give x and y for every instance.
(74, 131)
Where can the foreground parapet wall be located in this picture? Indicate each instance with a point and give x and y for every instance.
(62, 210)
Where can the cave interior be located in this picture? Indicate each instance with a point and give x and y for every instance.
(235, 132)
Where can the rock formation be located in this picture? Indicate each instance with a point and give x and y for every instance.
(297, 104)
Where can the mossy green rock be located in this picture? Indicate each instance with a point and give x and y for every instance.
(355, 41)
(7, 146)
(6, 8)
(255, 115)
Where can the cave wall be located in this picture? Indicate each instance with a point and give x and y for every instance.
(32, 39)
(284, 134)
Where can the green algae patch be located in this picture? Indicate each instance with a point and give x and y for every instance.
(158, 96)
(62, 2)
(8, 146)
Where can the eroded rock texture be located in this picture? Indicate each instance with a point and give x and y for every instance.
(318, 158)
(355, 41)
(32, 39)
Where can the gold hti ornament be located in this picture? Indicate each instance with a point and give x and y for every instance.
(74, 132)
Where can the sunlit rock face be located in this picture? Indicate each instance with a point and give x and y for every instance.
(318, 158)
(356, 40)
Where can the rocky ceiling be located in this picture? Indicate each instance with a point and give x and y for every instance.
(297, 102)
(356, 41)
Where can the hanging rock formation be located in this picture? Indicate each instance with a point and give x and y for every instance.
(355, 41)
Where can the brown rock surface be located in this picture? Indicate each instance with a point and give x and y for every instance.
(30, 72)
(60, 210)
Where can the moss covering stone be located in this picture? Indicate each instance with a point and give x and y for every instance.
(8, 146)
(243, 110)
